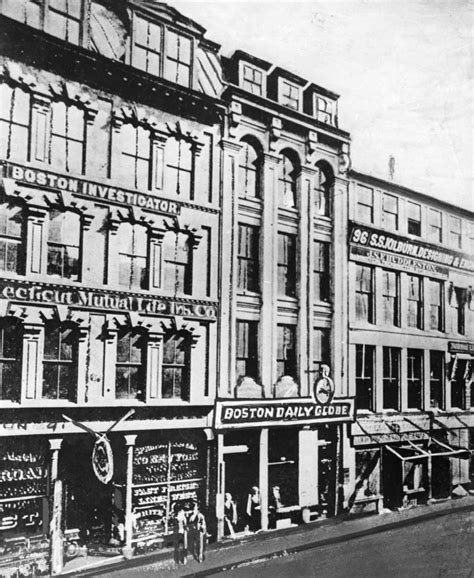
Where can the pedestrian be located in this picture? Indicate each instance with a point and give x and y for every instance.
(230, 515)
(197, 533)
(253, 509)
(180, 535)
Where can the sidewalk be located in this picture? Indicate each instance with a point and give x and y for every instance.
(264, 546)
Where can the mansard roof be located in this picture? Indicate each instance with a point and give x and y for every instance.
(168, 13)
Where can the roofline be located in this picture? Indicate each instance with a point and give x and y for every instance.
(242, 55)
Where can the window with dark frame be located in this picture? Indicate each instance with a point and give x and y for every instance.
(461, 369)
(286, 350)
(323, 110)
(179, 167)
(248, 258)
(290, 95)
(435, 226)
(134, 168)
(133, 254)
(64, 19)
(67, 137)
(64, 242)
(455, 232)
(147, 46)
(436, 297)
(364, 204)
(286, 265)
(178, 58)
(391, 378)
(247, 350)
(130, 369)
(391, 297)
(59, 362)
(175, 375)
(437, 384)
(390, 212)
(177, 260)
(414, 219)
(321, 271)
(322, 349)
(252, 79)
(11, 238)
(415, 363)
(249, 172)
(15, 118)
(287, 183)
(324, 188)
(458, 312)
(365, 293)
(415, 301)
(364, 378)
(11, 341)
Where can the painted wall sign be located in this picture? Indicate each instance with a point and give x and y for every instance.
(271, 412)
(26, 292)
(460, 347)
(30, 176)
(391, 250)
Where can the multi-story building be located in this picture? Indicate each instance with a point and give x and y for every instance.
(410, 345)
(110, 122)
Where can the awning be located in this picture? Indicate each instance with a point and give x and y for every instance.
(412, 452)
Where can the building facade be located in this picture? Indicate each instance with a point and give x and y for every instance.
(410, 345)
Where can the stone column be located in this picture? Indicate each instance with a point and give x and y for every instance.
(128, 550)
(56, 502)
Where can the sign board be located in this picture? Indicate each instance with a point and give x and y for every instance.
(103, 460)
(461, 347)
(232, 414)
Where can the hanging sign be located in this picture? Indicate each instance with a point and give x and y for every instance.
(103, 460)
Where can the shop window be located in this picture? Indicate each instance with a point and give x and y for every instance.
(247, 349)
(286, 354)
(286, 265)
(321, 271)
(457, 309)
(437, 379)
(59, 362)
(415, 302)
(177, 261)
(66, 151)
(364, 204)
(25, 11)
(391, 297)
(64, 239)
(324, 188)
(135, 154)
(367, 470)
(10, 359)
(130, 366)
(436, 297)
(415, 378)
(365, 358)
(322, 349)
(289, 95)
(133, 249)
(461, 370)
(178, 59)
(64, 19)
(455, 232)
(324, 110)
(390, 212)
(14, 123)
(249, 172)
(179, 167)
(11, 238)
(435, 229)
(365, 293)
(252, 79)
(147, 41)
(248, 258)
(413, 475)
(391, 378)
(414, 219)
(287, 183)
(176, 366)
(283, 444)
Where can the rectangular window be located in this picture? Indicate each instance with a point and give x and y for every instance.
(436, 296)
(415, 378)
(321, 272)
(64, 238)
(59, 362)
(247, 349)
(414, 219)
(67, 138)
(286, 353)
(178, 59)
(437, 379)
(457, 309)
(290, 95)
(10, 359)
(391, 297)
(390, 212)
(365, 293)
(391, 378)
(11, 238)
(286, 265)
(129, 378)
(435, 227)
(252, 79)
(248, 258)
(364, 204)
(460, 375)
(323, 110)
(415, 301)
(133, 252)
(64, 19)
(14, 123)
(455, 232)
(470, 238)
(179, 160)
(146, 52)
(176, 366)
(365, 358)
(322, 349)
(134, 168)
(25, 11)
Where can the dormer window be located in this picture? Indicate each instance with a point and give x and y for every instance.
(146, 54)
(289, 94)
(64, 19)
(323, 110)
(178, 59)
(252, 79)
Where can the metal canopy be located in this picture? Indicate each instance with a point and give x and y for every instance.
(416, 452)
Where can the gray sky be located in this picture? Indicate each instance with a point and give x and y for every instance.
(403, 68)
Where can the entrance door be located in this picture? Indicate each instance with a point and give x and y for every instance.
(392, 473)
(440, 477)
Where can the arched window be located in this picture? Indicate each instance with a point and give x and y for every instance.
(66, 151)
(14, 123)
(177, 257)
(176, 365)
(130, 367)
(249, 172)
(134, 166)
(287, 183)
(133, 250)
(10, 359)
(59, 361)
(324, 187)
(11, 238)
(179, 167)
(64, 239)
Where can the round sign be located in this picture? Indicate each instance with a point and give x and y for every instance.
(324, 390)
(103, 460)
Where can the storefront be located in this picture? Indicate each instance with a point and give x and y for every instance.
(279, 459)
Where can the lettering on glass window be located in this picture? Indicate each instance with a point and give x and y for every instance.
(11, 238)
(133, 251)
(178, 59)
(147, 41)
(247, 349)
(14, 123)
(365, 358)
(64, 237)
(175, 375)
(179, 167)
(63, 19)
(59, 361)
(10, 359)
(130, 366)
